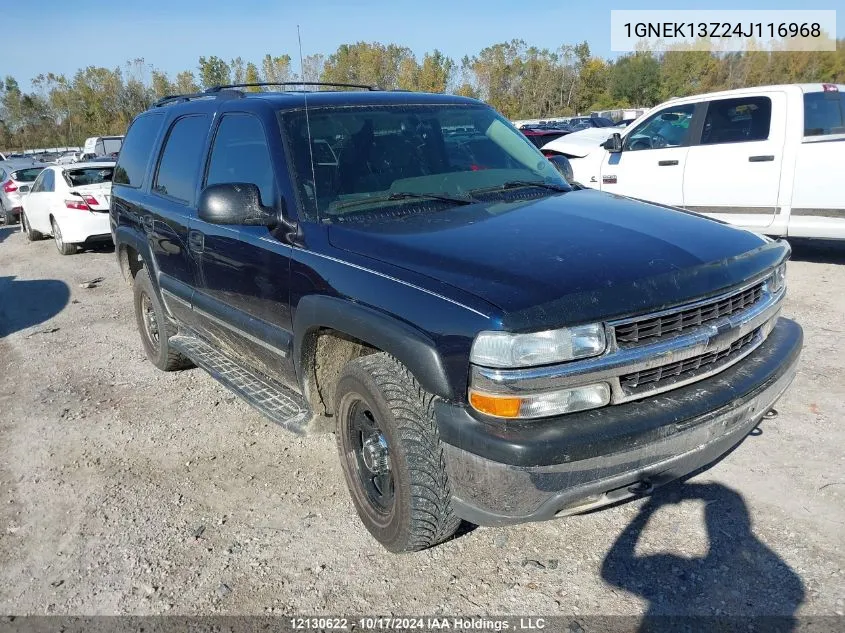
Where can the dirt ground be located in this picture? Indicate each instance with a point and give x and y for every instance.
(125, 490)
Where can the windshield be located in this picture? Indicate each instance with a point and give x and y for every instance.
(363, 157)
(88, 176)
(27, 175)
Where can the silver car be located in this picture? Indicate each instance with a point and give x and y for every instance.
(16, 178)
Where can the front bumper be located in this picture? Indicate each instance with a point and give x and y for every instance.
(504, 473)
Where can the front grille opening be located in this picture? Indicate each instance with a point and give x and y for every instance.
(649, 380)
(655, 327)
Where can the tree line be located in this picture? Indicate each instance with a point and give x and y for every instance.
(519, 80)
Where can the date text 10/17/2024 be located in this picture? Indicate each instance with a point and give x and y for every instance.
(418, 624)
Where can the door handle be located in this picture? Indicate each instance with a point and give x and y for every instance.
(761, 159)
(666, 163)
(196, 241)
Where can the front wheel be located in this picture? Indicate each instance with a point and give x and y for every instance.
(391, 454)
(63, 247)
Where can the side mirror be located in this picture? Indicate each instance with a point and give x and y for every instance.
(563, 165)
(235, 203)
(613, 144)
(23, 189)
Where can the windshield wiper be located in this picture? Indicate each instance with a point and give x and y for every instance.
(517, 184)
(403, 195)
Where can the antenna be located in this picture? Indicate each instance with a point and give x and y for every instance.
(308, 125)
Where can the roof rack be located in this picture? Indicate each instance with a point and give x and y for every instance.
(191, 96)
(231, 91)
(292, 83)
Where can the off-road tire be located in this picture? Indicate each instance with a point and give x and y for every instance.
(31, 234)
(63, 247)
(158, 349)
(421, 514)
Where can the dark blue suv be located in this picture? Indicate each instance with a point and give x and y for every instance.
(488, 341)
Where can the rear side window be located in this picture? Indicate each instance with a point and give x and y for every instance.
(49, 182)
(133, 160)
(737, 120)
(824, 113)
(178, 168)
(240, 154)
(111, 146)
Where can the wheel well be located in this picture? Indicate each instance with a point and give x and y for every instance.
(130, 263)
(325, 353)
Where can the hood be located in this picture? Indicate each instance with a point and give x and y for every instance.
(567, 258)
(582, 142)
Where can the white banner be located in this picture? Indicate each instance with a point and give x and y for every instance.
(723, 30)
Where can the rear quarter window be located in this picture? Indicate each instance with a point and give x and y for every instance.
(137, 150)
(824, 113)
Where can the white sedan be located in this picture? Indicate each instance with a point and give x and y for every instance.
(71, 203)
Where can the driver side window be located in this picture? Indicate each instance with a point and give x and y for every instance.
(667, 128)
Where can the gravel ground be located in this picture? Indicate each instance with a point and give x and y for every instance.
(125, 490)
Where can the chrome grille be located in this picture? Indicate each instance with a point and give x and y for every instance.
(639, 330)
(657, 377)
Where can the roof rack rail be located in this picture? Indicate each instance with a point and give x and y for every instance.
(191, 96)
(292, 83)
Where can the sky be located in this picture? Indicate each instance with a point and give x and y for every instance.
(171, 34)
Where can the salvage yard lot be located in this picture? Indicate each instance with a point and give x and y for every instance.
(127, 490)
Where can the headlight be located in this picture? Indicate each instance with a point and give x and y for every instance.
(504, 349)
(777, 281)
(541, 405)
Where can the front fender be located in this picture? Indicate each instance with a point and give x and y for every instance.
(410, 346)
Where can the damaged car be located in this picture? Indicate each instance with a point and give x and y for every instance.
(488, 341)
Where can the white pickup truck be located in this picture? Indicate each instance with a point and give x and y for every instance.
(770, 159)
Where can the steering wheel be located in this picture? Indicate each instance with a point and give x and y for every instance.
(642, 142)
(658, 141)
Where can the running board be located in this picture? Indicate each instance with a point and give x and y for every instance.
(282, 405)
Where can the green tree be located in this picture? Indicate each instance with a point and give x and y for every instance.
(185, 83)
(276, 69)
(635, 79)
(312, 67)
(366, 63)
(161, 84)
(238, 70)
(435, 73)
(214, 72)
(251, 76)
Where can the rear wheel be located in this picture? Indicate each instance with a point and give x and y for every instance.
(31, 234)
(63, 247)
(391, 455)
(154, 326)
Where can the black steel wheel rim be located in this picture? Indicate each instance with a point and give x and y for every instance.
(370, 455)
(148, 316)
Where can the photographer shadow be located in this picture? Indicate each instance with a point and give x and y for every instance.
(25, 303)
(739, 575)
